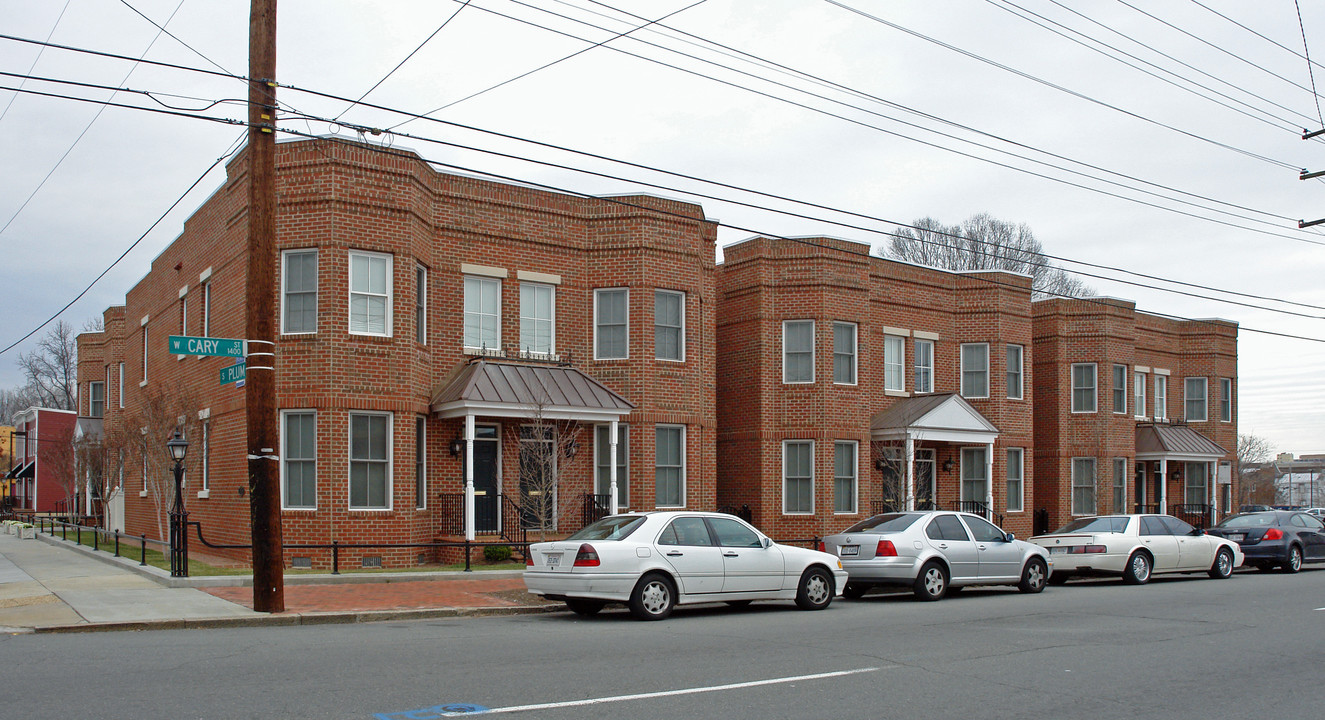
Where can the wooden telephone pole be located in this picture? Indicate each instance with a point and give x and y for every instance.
(260, 383)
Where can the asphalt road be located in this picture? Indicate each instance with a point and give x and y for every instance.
(1190, 647)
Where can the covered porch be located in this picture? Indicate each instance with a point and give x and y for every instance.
(1177, 463)
(916, 437)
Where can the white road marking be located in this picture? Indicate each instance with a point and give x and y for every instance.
(682, 691)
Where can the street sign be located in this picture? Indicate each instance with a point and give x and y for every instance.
(223, 347)
(233, 374)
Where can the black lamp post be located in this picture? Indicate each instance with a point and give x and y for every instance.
(178, 447)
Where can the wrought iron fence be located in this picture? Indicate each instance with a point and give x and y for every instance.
(1198, 515)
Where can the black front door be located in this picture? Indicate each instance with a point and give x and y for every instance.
(485, 479)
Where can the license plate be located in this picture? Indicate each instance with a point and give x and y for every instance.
(553, 559)
(1237, 538)
(1057, 550)
(850, 550)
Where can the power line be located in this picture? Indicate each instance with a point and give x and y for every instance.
(37, 59)
(1257, 34)
(1307, 53)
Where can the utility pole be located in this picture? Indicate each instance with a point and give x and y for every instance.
(260, 383)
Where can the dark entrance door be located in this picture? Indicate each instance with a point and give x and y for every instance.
(485, 479)
(1140, 485)
(538, 477)
(925, 480)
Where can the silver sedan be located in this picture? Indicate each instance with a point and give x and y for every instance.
(936, 553)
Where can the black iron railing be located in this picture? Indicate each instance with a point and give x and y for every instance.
(978, 507)
(594, 507)
(500, 516)
(1146, 508)
(1198, 515)
(879, 507)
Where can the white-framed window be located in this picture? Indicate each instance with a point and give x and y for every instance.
(611, 323)
(206, 455)
(298, 292)
(1083, 387)
(1016, 479)
(669, 330)
(370, 293)
(421, 304)
(1139, 394)
(420, 463)
(894, 362)
(1196, 477)
(845, 471)
(184, 315)
(797, 477)
(924, 366)
(1083, 486)
(207, 309)
(538, 318)
(1194, 399)
(120, 387)
(1120, 389)
(1226, 399)
(298, 459)
(602, 452)
(1016, 377)
(482, 313)
(370, 461)
(1119, 504)
(797, 351)
(844, 353)
(975, 478)
(669, 465)
(1161, 397)
(145, 343)
(96, 399)
(975, 370)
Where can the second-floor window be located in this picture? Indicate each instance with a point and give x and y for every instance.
(96, 399)
(798, 351)
(894, 362)
(1016, 385)
(1120, 388)
(299, 291)
(370, 294)
(924, 360)
(538, 318)
(669, 325)
(1194, 397)
(421, 304)
(975, 370)
(1161, 397)
(1083, 387)
(611, 324)
(482, 313)
(1139, 394)
(844, 353)
(1226, 399)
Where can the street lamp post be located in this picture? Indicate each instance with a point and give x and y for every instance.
(178, 447)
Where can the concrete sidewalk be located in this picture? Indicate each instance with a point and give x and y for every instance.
(50, 585)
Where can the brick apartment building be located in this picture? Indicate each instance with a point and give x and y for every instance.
(425, 318)
(1135, 412)
(42, 462)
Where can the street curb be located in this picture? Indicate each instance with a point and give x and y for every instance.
(292, 619)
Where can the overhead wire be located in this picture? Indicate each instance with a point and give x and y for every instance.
(1307, 53)
(37, 59)
(1270, 40)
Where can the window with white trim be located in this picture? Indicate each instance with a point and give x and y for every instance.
(206, 455)
(538, 309)
(669, 466)
(974, 474)
(1119, 485)
(145, 341)
(370, 294)
(184, 315)
(669, 325)
(1083, 387)
(975, 370)
(370, 461)
(1120, 389)
(1083, 486)
(797, 351)
(602, 451)
(482, 313)
(844, 476)
(844, 353)
(924, 366)
(298, 291)
(420, 463)
(1139, 394)
(1016, 381)
(894, 362)
(298, 459)
(797, 477)
(421, 304)
(611, 324)
(1161, 397)
(1194, 399)
(1196, 478)
(1226, 399)
(121, 386)
(207, 309)
(96, 399)
(1016, 479)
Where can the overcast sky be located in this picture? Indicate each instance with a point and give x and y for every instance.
(1191, 176)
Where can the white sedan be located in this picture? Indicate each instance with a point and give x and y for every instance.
(655, 561)
(1135, 546)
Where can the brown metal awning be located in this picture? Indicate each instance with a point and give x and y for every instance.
(526, 390)
(1156, 441)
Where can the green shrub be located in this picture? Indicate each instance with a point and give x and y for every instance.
(497, 553)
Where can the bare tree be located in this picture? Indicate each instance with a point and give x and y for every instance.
(983, 242)
(12, 402)
(1251, 451)
(51, 370)
(548, 446)
(89, 470)
(889, 458)
(140, 438)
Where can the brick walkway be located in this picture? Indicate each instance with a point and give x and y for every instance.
(396, 595)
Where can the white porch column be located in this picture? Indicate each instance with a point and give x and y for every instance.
(909, 503)
(989, 482)
(611, 465)
(469, 477)
(1163, 498)
(1212, 485)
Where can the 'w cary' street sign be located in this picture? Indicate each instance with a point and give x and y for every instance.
(222, 347)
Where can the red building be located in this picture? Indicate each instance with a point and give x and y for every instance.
(43, 470)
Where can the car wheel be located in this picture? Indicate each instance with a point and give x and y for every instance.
(653, 598)
(1294, 562)
(854, 590)
(815, 591)
(1033, 576)
(1060, 578)
(1137, 571)
(584, 607)
(1223, 566)
(739, 603)
(932, 582)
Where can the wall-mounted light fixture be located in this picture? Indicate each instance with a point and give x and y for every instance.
(948, 465)
(457, 447)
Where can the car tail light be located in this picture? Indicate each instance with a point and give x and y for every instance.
(528, 557)
(586, 557)
(885, 549)
(1273, 534)
(821, 547)
(1083, 549)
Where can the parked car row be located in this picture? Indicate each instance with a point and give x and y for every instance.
(654, 561)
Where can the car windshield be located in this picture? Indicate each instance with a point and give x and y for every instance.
(1097, 524)
(890, 522)
(1251, 520)
(616, 527)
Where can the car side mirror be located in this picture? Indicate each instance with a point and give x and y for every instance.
(1198, 532)
(767, 543)
(1009, 537)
